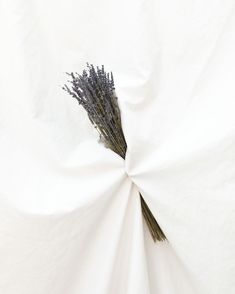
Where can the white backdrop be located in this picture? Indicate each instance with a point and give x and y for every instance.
(70, 219)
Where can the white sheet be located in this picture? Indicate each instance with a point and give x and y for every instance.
(70, 218)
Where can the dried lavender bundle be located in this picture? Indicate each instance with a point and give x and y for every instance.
(94, 90)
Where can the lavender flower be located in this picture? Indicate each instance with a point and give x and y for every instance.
(95, 91)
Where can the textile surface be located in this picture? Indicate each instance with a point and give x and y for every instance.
(70, 219)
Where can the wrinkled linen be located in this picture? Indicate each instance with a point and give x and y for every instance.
(70, 218)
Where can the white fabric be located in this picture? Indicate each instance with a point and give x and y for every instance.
(70, 219)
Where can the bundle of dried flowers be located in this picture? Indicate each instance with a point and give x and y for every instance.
(94, 90)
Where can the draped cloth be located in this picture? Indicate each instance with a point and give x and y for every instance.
(70, 219)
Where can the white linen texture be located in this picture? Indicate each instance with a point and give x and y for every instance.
(70, 215)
